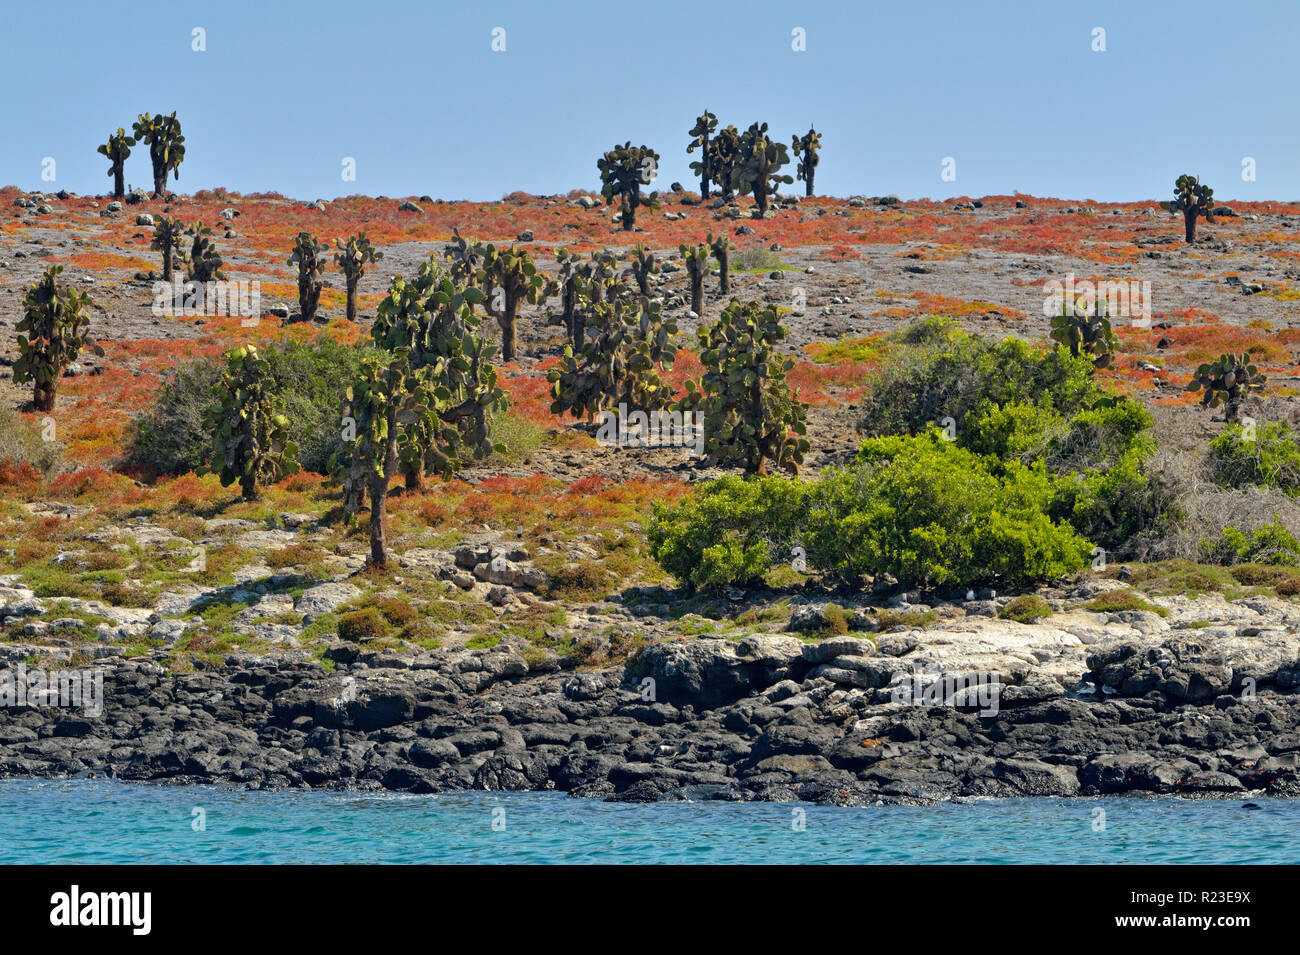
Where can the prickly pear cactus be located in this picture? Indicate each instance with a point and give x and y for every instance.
(721, 248)
(168, 238)
(705, 125)
(623, 171)
(117, 149)
(1085, 330)
(204, 259)
(310, 256)
(724, 156)
(430, 322)
(166, 146)
(644, 265)
(631, 349)
(749, 416)
(1192, 199)
(510, 278)
(52, 333)
(352, 258)
(696, 258)
(250, 442)
(1227, 381)
(806, 150)
(759, 170)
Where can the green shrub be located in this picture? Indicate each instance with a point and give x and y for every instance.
(920, 509)
(937, 370)
(1270, 544)
(729, 531)
(309, 377)
(1272, 459)
(929, 512)
(1026, 609)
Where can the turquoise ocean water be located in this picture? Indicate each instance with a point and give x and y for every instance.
(94, 821)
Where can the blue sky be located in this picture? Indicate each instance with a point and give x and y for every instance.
(413, 91)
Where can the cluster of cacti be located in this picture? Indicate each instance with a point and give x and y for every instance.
(721, 248)
(52, 332)
(1227, 381)
(643, 265)
(117, 149)
(166, 145)
(749, 416)
(311, 258)
(426, 404)
(510, 278)
(806, 149)
(759, 169)
(1085, 330)
(724, 158)
(168, 236)
(249, 429)
(431, 321)
(632, 344)
(705, 125)
(1192, 199)
(204, 260)
(696, 258)
(623, 171)
(372, 426)
(352, 258)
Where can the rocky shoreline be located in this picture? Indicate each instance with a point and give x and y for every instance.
(1199, 702)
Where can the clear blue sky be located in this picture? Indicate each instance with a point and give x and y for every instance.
(412, 89)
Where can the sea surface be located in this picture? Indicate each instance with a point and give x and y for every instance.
(103, 821)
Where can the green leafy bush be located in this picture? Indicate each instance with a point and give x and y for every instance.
(310, 378)
(921, 509)
(1272, 459)
(729, 531)
(1270, 544)
(929, 512)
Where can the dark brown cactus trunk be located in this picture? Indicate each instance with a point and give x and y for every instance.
(43, 398)
(579, 331)
(159, 180)
(697, 292)
(167, 260)
(724, 272)
(1189, 222)
(414, 479)
(352, 298)
(119, 186)
(378, 543)
(248, 487)
(509, 340)
(808, 185)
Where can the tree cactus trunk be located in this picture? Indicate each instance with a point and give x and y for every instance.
(43, 398)
(697, 292)
(808, 185)
(119, 186)
(509, 340)
(724, 272)
(159, 180)
(378, 542)
(352, 299)
(1189, 221)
